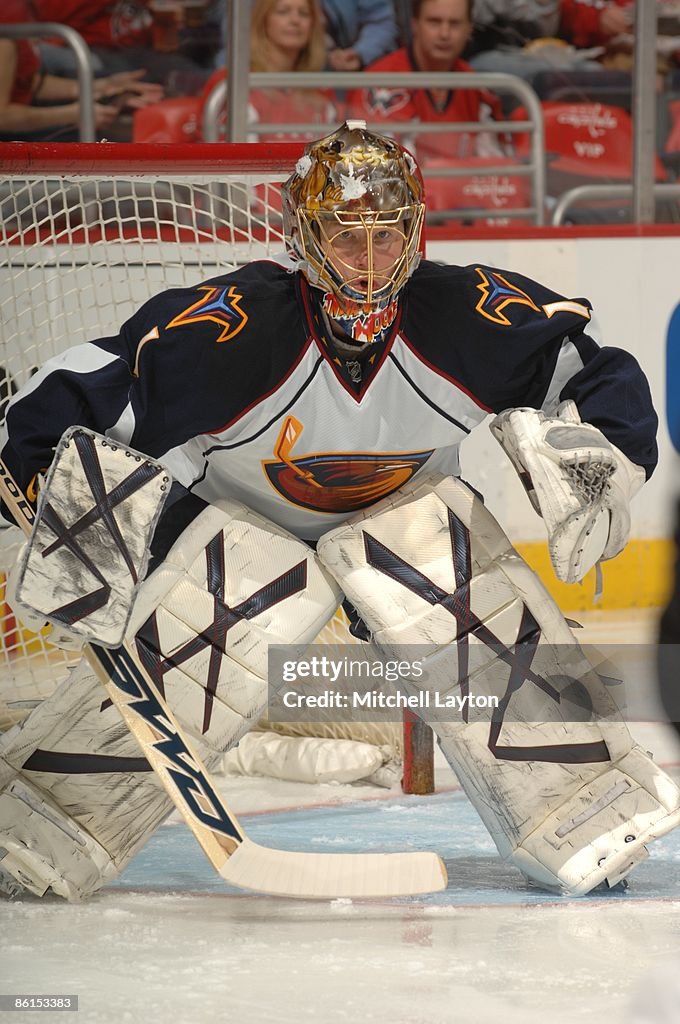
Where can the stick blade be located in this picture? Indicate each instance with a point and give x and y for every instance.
(324, 876)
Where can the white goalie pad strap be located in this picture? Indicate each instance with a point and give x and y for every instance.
(576, 479)
(430, 565)
(90, 543)
(232, 584)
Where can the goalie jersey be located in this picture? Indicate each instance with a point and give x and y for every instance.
(236, 386)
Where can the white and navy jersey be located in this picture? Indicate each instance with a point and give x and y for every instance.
(235, 387)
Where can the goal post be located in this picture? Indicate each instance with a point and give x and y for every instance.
(88, 233)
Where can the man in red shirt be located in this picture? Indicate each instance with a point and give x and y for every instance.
(440, 30)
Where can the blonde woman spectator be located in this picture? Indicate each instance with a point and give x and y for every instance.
(286, 35)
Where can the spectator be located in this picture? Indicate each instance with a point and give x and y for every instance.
(440, 30)
(610, 24)
(520, 37)
(121, 37)
(595, 22)
(512, 23)
(358, 32)
(23, 86)
(285, 36)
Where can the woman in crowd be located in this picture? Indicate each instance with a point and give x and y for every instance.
(285, 36)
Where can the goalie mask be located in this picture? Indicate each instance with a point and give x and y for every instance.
(353, 211)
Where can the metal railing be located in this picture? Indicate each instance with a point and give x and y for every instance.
(83, 57)
(533, 167)
(583, 193)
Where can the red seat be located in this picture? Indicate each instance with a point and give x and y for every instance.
(173, 120)
(590, 141)
(497, 192)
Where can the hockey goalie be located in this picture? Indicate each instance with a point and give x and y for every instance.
(310, 408)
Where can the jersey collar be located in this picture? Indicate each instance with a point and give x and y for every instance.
(371, 357)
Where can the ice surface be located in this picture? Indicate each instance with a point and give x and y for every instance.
(168, 942)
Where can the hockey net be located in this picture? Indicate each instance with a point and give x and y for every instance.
(89, 232)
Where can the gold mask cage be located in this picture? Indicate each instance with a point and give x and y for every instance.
(343, 246)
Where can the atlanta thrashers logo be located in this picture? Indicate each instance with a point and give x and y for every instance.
(337, 481)
(219, 306)
(497, 294)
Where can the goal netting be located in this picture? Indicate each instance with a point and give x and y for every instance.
(89, 232)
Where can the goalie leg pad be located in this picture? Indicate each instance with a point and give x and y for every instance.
(231, 584)
(77, 800)
(566, 796)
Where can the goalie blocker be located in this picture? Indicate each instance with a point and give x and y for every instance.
(566, 794)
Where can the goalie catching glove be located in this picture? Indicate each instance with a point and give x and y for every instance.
(577, 480)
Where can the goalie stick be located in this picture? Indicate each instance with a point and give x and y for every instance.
(236, 858)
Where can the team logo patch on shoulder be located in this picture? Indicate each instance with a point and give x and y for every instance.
(497, 295)
(219, 305)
